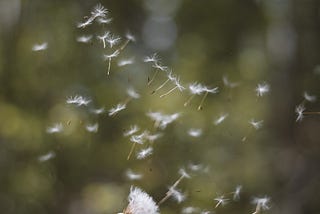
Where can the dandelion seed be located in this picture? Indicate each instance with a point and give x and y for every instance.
(261, 204)
(125, 62)
(132, 175)
(140, 203)
(184, 173)
(112, 40)
(158, 68)
(144, 153)
(136, 139)
(113, 111)
(195, 167)
(189, 210)
(103, 38)
(40, 47)
(104, 21)
(262, 89)
(140, 139)
(78, 100)
(133, 129)
(177, 86)
(309, 98)
(85, 23)
(133, 94)
(162, 120)
(130, 37)
(171, 77)
(177, 194)
(84, 39)
(256, 124)
(152, 137)
(99, 11)
(205, 212)
(236, 193)
(55, 128)
(220, 119)
(197, 89)
(195, 132)
(154, 58)
(109, 58)
(170, 192)
(92, 127)
(300, 111)
(98, 110)
(221, 200)
(47, 156)
(229, 84)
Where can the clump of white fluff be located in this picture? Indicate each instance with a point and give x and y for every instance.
(140, 203)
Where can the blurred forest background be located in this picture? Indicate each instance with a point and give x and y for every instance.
(247, 42)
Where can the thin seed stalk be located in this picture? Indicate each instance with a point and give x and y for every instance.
(169, 193)
(124, 45)
(161, 86)
(311, 112)
(109, 66)
(169, 92)
(189, 100)
(153, 77)
(131, 150)
(201, 103)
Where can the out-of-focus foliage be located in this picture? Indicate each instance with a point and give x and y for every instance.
(57, 157)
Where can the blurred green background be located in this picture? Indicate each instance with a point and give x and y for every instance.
(249, 42)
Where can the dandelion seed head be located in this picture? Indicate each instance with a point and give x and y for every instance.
(154, 58)
(299, 111)
(55, 128)
(40, 47)
(133, 94)
(308, 97)
(78, 100)
(133, 129)
(140, 139)
(84, 38)
(125, 62)
(221, 200)
(92, 127)
(198, 88)
(140, 203)
(102, 20)
(47, 156)
(162, 119)
(220, 119)
(98, 110)
(195, 132)
(184, 173)
(99, 11)
(144, 153)
(130, 37)
(113, 40)
(261, 203)
(177, 194)
(256, 124)
(117, 109)
(160, 67)
(132, 175)
(229, 84)
(189, 210)
(236, 193)
(262, 89)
